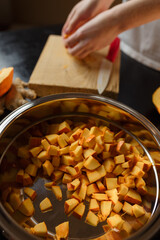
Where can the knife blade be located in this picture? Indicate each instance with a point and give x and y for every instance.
(106, 66)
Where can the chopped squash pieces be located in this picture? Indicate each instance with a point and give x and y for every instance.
(105, 172)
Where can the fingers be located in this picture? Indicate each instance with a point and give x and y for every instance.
(81, 50)
(72, 40)
(65, 27)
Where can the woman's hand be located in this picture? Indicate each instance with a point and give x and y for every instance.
(82, 12)
(93, 35)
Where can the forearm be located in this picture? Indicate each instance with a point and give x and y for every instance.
(134, 13)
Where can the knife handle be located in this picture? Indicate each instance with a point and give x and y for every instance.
(113, 50)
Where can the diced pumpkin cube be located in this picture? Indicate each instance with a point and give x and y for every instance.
(79, 210)
(52, 138)
(53, 150)
(62, 230)
(67, 160)
(77, 152)
(20, 175)
(138, 210)
(117, 207)
(73, 146)
(63, 151)
(123, 189)
(98, 148)
(76, 195)
(62, 141)
(95, 131)
(56, 161)
(64, 127)
(97, 174)
(92, 219)
(106, 208)
(48, 168)
(37, 162)
(49, 184)
(91, 163)
(43, 156)
(137, 172)
(115, 221)
(58, 192)
(127, 208)
(31, 169)
(75, 183)
(45, 205)
(67, 178)
(56, 175)
(118, 170)
(70, 204)
(100, 196)
(111, 183)
(27, 207)
(109, 165)
(27, 180)
(79, 166)
(40, 229)
(94, 206)
(14, 200)
(83, 191)
(30, 193)
(112, 195)
(45, 144)
(100, 186)
(119, 159)
(92, 188)
(36, 150)
(133, 197)
(71, 171)
(84, 180)
(88, 152)
(108, 136)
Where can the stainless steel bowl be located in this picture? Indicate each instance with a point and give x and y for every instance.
(13, 129)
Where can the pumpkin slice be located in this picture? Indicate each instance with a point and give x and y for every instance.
(6, 78)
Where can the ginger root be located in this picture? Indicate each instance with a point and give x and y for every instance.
(18, 95)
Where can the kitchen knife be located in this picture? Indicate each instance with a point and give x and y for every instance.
(106, 66)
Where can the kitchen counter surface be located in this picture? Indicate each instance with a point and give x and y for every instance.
(21, 49)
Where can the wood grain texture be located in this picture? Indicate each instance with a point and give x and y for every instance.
(57, 71)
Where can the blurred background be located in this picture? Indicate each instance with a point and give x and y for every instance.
(19, 14)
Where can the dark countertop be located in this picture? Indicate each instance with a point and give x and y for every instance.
(21, 49)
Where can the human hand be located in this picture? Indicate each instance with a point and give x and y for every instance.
(93, 35)
(82, 12)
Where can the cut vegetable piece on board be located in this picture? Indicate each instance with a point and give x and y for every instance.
(6, 78)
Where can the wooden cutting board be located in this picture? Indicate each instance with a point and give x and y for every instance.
(57, 71)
